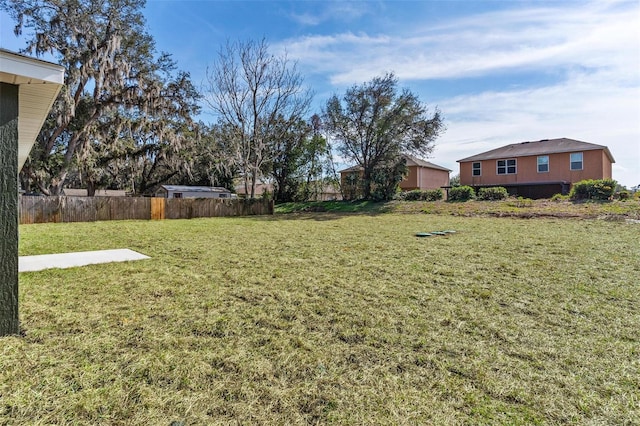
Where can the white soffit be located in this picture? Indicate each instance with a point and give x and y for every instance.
(39, 83)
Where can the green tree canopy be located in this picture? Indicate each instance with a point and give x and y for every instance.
(299, 158)
(117, 91)
(374, 124)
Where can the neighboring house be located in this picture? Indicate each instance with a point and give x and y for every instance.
(181, 191)
(424, 175)
(421, 175)
(259, 190)
(75, 192)
(537, 169)
(326, 193)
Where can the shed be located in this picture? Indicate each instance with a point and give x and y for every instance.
(79, 192)
(28, 88)
(183, 191)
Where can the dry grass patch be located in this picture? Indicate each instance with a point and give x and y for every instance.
(330, 319)
(525, 208)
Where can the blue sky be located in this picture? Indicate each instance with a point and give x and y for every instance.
(500, 71)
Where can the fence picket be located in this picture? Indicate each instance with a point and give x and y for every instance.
(91, 209)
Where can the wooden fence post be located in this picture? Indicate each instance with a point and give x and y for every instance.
(157, 208)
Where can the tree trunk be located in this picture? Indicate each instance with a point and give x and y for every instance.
(366, 184)
(91, 189)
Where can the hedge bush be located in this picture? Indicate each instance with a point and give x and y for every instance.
(433, 194)
(493, 193)
(593, 189)
(420, 195)
(413, 195)
(461, 193)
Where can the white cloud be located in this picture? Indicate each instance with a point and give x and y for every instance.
(579, 109)
(333, 10)
(590, 52)
(592, 35)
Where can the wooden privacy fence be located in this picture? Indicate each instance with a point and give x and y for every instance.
(91, 209)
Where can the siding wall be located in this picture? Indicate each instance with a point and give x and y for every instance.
(596, 165)
(418, 178)
(424, 178)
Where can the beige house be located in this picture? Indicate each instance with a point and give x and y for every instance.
(537, 169)
(421, 175)
(424, 175)
(325, 193)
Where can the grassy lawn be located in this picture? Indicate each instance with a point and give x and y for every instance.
(512, 207)
(330, 319)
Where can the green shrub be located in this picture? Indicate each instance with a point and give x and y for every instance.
(623, 195)
(413, 195)
(559, 197)
(493, 193)
(461, 193)
(593, 189)
(432, 195)
(420, 195)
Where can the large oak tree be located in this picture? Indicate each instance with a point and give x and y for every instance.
(121, 100)
(374, 124)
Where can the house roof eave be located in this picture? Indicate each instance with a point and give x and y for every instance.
(541, 147)
(39, 83)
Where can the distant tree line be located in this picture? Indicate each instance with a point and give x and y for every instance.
(126, 117)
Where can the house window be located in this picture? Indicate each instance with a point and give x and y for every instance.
(476, 169)
(507, 167)
(543, 163)
(223, 195)
(576, 161)
(177, 195)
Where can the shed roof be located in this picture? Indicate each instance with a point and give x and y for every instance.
(541, 147)
(79, 192)
(39, 83)
(186, 188)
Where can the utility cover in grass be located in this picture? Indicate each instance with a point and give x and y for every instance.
(434, 233)
(70, 260)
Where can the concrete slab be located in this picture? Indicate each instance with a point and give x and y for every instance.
(71, 260)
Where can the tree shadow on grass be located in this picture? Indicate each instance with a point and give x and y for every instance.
(342, 206)
(329, 210)
(319, 216)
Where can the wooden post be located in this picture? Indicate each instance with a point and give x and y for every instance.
(9, 322)
(157, 208)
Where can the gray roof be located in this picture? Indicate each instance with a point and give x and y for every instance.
(423, 163)
(411, 161)
(185, 188)
(541, 147)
